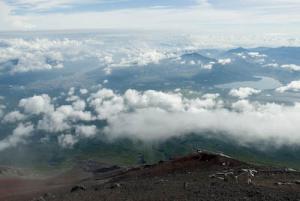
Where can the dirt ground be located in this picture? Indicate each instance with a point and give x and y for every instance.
(199, 176)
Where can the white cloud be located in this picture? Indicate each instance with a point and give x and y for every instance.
(38, 61)
(272, 65)
(293, 86)
(2, 107)
(208, 16)
(156, 115)
(245, 4)
(224, 61)
(151, 98)
(46, 5)
(41, 5)
(73, 98)
(61, 118)
(152, 56)
(37, 104)
(253, 57)
(164, 115)
(67, 140)
(140, 54)
(83, 91)
(208, 66)
(8, 21)
(243, 106)
(79, 105)
(18, 136)
(256, 55)
(250, 123)
(42, 54)
(86, 131)
(106, 103)
(73, 114)
(292, 67)
(183, 19)
(81, 131)
(207, 101)
(53, 119)
(54, 122)
(38, 54)
(243, 92)
(13, 117)
(71, 91)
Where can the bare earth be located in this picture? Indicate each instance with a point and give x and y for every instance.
(199, 176)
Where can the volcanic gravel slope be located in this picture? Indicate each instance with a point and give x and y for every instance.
(199, 176)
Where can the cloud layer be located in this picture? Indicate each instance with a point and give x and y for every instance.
(155, 116)
(243, 92)
(19, 135)
(200, 16)
(37, 54)
(293, 86)
(18, 55)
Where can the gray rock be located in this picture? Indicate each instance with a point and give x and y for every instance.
(78, 188)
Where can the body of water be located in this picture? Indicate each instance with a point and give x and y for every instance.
(263, 84)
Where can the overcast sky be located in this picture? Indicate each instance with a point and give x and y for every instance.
(206, 16)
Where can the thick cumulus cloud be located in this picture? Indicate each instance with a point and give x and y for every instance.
(86, 131)
(62, 118)
(14, 116)
(37, 104)
(156, 115)
(293, 86)
(38, 54)
(243, 92)
(145, 56)
(53, 119)
(244, 122)
(79, 105)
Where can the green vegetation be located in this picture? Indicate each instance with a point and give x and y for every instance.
(43, 157)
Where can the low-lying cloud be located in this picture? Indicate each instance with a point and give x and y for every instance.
(14, 116)
(155, 115)
(20, 55)
(292, 67)
(36, 55)
(243, 92)
(19, 135)
(292, 86)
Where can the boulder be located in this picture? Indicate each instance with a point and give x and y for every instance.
(78, 188)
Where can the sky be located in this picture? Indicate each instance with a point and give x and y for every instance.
(206, 16)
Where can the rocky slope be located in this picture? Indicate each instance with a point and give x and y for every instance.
(199, 176)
